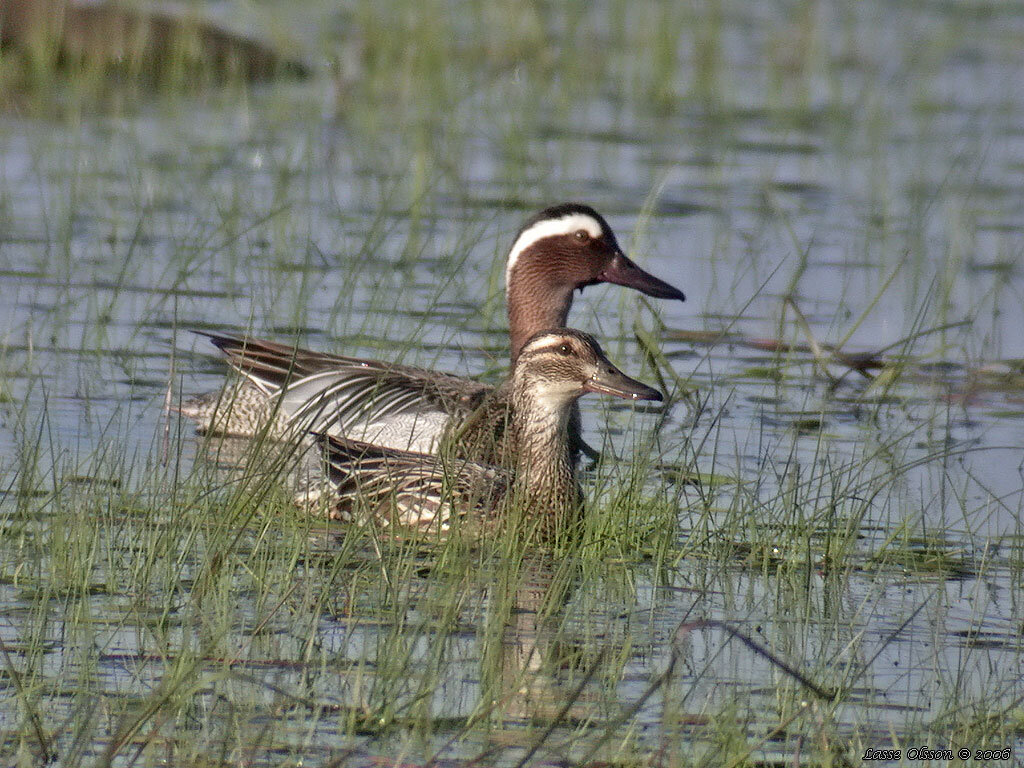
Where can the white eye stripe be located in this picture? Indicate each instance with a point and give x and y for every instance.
(564, 225)
(549, 345)
(549, 348)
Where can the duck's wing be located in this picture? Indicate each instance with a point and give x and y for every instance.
(399, 405)
(270, 365)
(408, 488)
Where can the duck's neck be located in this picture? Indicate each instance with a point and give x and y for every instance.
(545, 477)
(534, 306)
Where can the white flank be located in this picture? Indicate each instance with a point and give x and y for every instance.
(564, 225)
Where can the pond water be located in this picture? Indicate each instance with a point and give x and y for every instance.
(810, 175)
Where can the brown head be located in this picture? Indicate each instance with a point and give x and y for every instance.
(560, 250)
(557, 367)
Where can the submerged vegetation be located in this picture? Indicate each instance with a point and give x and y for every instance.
(814, 549)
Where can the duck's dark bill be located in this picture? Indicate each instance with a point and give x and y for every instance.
(622, 271)
(618, 384)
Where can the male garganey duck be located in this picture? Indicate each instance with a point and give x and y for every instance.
(562, 249)
(417, 490)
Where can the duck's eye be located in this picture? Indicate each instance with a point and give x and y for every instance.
(565, 350)
(582, 235)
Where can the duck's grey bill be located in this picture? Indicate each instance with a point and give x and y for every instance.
(618, 384)
(622, 271)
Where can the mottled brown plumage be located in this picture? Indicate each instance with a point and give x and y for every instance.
(417, 490)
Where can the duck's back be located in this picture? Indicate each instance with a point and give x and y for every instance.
(408, 489)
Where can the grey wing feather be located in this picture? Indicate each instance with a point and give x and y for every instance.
(271, 363)
(319, 390)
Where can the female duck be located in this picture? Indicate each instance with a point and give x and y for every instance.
(289, 390)
(553, 370)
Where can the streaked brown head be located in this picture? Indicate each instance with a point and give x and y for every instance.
(557, 367)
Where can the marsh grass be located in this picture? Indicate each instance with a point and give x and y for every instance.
(164, 600)
(212, 543)
(218, 583)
